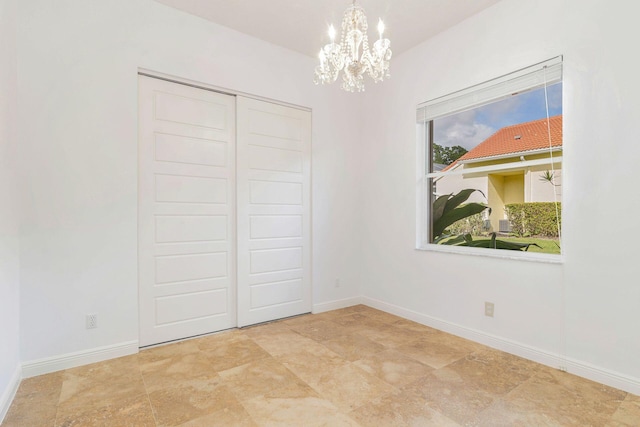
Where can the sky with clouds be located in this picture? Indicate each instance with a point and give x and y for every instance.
(469, 128)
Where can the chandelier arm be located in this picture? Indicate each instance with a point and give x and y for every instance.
(352, 55)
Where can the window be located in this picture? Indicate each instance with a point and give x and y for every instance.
(491, 170)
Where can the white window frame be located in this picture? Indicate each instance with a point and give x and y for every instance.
(545, 73)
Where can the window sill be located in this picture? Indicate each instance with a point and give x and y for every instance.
(495, 253)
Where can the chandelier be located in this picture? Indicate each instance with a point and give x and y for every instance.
(352, 55)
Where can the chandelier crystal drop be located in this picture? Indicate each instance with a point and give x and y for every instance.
(352, 54)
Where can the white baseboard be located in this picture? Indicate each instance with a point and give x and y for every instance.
(576, 367)
(10, 392)
(78, 358)
(335, 305)
(604, 376)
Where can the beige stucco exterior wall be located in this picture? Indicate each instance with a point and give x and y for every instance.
(452, 184)
(514, 188)
(540, 190)
(502, 188)
(496, 201)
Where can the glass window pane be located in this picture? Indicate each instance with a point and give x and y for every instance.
(503, 162)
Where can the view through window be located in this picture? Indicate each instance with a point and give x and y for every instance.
(493, 168)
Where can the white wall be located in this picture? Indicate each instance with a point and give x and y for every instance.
(77, 65)
(585, 309)
(77, 130)
(9, 218)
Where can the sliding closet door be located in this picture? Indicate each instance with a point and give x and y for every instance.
(274, 211)
(186, 216)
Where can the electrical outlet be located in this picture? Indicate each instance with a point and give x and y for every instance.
(337, 283)
(488, 309)
(91, 321)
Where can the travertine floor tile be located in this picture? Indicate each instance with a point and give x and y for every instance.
(128, 410)
(48, 383)
(166, 373)
(349, 387)
(219, 339)
(284, 341)
(233, 415)
(413, 326)
(306, 411)
(432, 352)
(319, 331)
(234, 354)
(36, 401)
(505, 414)
(494, 371)
(560, 398)
(393, 367)
(353, 346)
(391, 336)
(121, 367)
(627, 414)
(191, 400)
(265, 377)
(400, 409)
(313, 364)
(360, 308)
(454, 341)
(304, 319)
(381, 316)
(166, 351)
(356, 322)
(452, 395)
(348, 367)
(332, 316)
(270, 327)
(100, 385)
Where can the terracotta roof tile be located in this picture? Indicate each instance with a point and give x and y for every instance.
(519, 138)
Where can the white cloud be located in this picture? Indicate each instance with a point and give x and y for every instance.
(461, 129)
(495, 111)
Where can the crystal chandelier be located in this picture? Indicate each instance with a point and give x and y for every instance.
(352, 54)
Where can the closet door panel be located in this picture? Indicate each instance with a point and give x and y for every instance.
(186, 211)
(274, 208)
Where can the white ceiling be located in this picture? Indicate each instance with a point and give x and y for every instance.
(301, 25)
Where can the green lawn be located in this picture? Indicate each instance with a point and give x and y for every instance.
(547, 246)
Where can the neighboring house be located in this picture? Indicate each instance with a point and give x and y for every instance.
(509, 167)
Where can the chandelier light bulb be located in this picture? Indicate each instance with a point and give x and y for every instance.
(380, 27)
(332, 33)
(350, 53)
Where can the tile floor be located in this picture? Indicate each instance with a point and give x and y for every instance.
(351, 367)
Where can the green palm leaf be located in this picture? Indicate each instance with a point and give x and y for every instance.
(450, 208)
(453, 215)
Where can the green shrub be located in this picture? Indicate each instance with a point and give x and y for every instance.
(473, 225)
(534, 219)
(449, 209)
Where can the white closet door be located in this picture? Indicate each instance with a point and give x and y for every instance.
(186, 215)
(274, 211)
